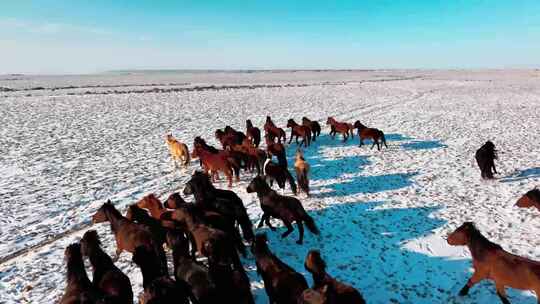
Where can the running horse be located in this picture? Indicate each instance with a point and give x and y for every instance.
(299, 131)
(273, 131)
(492, 262)
(375, 135)
(343, 128)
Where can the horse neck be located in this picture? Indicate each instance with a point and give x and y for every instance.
(99, 259)
(319, 278)
(479, 246)
(115, 218)
(263, 191)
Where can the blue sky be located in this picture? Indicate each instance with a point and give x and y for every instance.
(66, 36)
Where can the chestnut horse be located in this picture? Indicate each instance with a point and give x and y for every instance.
(232, 156)
(253, 133)
(529, 199)
(340, 127)
(298, 130)
(314, 126)
(324, 283)
(274, 132)
(490, 261)
(179, 151)
(79, 289)
(370, 133)
(216, 162)
(283, 284)
(128, 234)
(287, 209)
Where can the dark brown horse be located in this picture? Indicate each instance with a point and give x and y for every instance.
(299, 131)
(225, 202)
(158, 287)
(274, 172)
(141, 216)
(375, 135)
(314, 126)
(485, 157)
(287, 209)
(79, 289)
(283, 284)
(273, 132)
(490, 261)
(253, 133)
(343, 128)
(128, 235)
(106, 276)
(194, 276)
(276, 149)
(530, 199)
(336, 291)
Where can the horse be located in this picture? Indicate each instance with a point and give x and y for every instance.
(340, 127)
(106, 276)
(370, 133)
(212, 243)
(283, 284)
(274, 172)
(287, 209)
(128, 235)
(274, 132)
(153, 204)
(302, 171)
(299, 130)
(314, 126)
(253, 133)
(179, 151)
(158, 287)
(79, 289)
(194, 276)
(140, 216)
(212, 219)
(490, 261)
(277, 149)
(337, 291)
(256, 156)
(234, 158)
(225, 139)
(215, 162)
(485, 157)
(225, 202)
(237, 135)
(529, 199)
(233, 285)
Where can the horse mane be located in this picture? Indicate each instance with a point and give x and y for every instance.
(479, 244)
(92, 237)
(75, 264)
(534, 195)
(109, 206)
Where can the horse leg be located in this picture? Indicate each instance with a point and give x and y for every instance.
(269, 224)
(290, 138)
(501, 293)
(361, 142)
(300, 232)
(345, 137)
(289, 229)
(118, 252)
(476, 277)
(263, 217)
(228, 173)
(373, 145)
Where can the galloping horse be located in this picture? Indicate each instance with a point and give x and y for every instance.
(313, 125)
(274, 132)
(340, 127)
(298, 130)
(490, 261)
(179, 151)
(370, 133)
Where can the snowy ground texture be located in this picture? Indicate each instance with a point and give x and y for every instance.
(383, 215)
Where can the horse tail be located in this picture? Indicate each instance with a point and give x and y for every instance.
(291, 181)
(309, 136)
(310, 223)
(383, 138)
(187, 160)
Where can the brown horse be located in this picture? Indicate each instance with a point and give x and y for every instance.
(106, 276)
(276, 149)
(274, 132)
(299, 131)
(375, 135)
(274, 172)
(490, 261)
(529, 199)
(128, 234)
(158, 287)
(302, 172)
(235, 159)
(283, 284)
(340, 127)
(212, 243)
(79, 289)
(253, 133)
(153, 204)
(337, 291)
(179, 151)
(287, 209)
(314, 126)
(213, 163)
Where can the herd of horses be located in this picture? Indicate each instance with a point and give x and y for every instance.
(208, 236)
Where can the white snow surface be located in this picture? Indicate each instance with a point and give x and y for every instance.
(383, 216)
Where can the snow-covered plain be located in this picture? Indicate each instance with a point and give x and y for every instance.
(383, 215)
